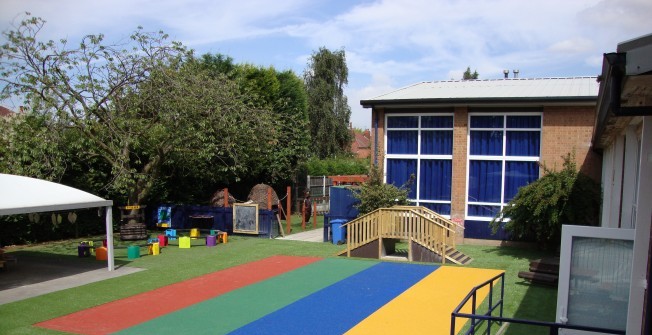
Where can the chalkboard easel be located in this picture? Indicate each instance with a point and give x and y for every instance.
(245, 218)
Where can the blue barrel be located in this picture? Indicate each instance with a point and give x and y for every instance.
(339, 232)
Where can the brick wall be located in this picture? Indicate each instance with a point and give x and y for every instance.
(458, 188)
(379, 154)
(567, 129)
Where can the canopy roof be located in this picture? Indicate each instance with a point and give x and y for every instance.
(22, 195)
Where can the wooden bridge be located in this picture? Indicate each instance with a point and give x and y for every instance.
(430, 236)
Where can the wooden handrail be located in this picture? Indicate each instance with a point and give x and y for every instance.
(411, 223)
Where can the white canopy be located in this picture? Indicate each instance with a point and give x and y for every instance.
(23, 195)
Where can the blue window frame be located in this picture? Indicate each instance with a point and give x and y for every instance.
(504, 150)
(421, 145)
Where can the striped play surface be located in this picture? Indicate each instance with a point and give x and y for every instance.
(291, 295)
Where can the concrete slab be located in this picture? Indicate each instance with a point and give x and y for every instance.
(315, 235)
(35, 274)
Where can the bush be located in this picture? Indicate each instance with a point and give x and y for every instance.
(559, 197)
(375, 194)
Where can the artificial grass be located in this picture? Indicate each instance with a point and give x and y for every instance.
(522, 300)
(173, 265)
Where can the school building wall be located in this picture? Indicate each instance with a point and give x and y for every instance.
(564, 129)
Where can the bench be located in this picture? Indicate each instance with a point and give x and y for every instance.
(540, 278)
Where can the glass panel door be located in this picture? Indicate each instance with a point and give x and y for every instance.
(594, 277)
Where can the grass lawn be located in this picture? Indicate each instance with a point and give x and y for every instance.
(174, 265)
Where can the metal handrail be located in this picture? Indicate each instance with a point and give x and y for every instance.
(476, 319)
(473, 295)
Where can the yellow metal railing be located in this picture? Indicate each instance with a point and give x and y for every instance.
(411, 223)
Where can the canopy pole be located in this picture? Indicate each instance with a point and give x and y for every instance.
(109, 238)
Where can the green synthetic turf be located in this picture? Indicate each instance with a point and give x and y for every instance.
(522, 300)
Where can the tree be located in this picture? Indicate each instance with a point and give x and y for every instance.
(284, 94)
(139, 109)
(468, 75)
(30, 145)
(375, 194)
(539, 209)
(328, 109)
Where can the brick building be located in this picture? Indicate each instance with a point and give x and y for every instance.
(361, 143)
(471, 144)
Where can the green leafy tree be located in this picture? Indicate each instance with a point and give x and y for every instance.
(539, 209)
(468, 75)
(328, 109)
(375, 194)
(31, 144)
(137, 106)
(284, 94)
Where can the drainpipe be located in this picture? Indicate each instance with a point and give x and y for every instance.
(376, 140)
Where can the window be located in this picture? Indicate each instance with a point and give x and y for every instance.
(421, 146)
(504, 152)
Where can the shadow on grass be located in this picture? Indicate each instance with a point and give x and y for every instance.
(34, 267)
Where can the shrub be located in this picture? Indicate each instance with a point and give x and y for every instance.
(559, 197)
(375, 194)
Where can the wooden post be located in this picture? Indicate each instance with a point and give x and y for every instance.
(288, 214)
(226, 197)
(269, 198)
(303, 215)
(314, 215)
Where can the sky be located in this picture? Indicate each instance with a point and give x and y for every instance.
(389, 44)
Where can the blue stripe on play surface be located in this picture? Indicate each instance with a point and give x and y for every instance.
(337, 308)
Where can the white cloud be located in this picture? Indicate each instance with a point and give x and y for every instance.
(575, 45)
(388, 43)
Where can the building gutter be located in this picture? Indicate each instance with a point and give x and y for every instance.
(586, 100)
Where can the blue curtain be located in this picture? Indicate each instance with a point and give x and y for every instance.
(435, 178)
(487, 121)
(483, 211)
(437, 142)
(523, 143)
(521, 121)
(485, 179)
(436, 122)
(443, 209)
(399, 172)
(518, 174)
(402, 122)
(487, 143)
(402, 141)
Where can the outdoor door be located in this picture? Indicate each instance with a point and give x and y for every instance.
(595, 272)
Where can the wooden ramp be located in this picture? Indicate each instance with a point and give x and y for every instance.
(430, 236)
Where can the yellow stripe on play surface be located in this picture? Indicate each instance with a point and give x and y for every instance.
(427, 306)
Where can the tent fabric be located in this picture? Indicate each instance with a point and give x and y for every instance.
(22, 195)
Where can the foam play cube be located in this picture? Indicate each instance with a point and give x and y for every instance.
(194, 232)
(184, 242)
(211, 240)
(101, 254)
(171, 234)
(154, 249)
(133, 251)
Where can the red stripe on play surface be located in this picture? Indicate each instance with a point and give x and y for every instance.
(120, 314)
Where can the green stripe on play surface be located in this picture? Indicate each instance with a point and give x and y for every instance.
(237, 308)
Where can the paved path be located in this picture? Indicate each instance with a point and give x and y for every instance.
(315, 235)
(58, 284)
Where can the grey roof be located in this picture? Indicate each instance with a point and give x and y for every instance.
(514, 89)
